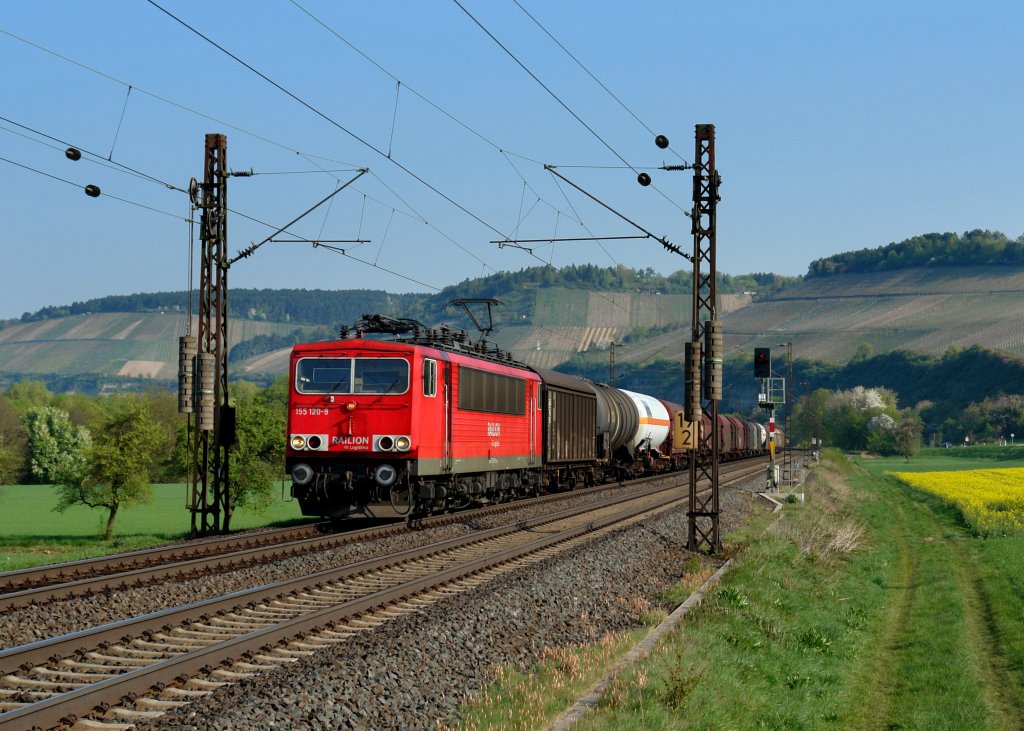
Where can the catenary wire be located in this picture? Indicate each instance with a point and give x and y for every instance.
(105, 195)
(402, 85)
(305, 155)
(99, 158)
(544, 86)
(558, 99)
(344, 253)
(178, 105)
(473, 131)
(123, 168)
(589, 73)
(308, 156)
(476, 133)
(327, 118)
(120, 167)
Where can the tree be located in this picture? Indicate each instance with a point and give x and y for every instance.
(84, 410)
(882, 435)
(24, 395)
(908, 433)
(808, 415)
(860, 418)
(13, 445)
(258, 457)
(119, 464)
(163, 407)
(58, 450)
(864, 351)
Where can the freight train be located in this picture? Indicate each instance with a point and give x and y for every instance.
(427, 421)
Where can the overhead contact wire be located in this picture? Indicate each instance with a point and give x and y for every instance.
(559, 100)
(544, 86)
(119, 167)
(105, 195)
(476, 133)
(99, 158)
(171, 102)
(327, 118)
(408, 88)
(589, 73)
(418, 216)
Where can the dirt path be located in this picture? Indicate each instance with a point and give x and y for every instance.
(939, 639)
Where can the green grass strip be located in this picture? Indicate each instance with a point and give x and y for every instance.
(867, 607)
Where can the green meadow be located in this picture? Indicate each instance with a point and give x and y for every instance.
(869, 606)
(33, 533)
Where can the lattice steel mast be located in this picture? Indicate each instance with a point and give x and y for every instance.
(203, 375)
(703, 509)
(215, 422)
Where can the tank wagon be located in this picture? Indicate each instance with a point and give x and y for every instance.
(427, 421)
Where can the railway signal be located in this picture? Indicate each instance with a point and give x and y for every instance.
(772, 392)
(762, 363)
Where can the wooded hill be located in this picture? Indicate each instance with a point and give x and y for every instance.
(973, 248)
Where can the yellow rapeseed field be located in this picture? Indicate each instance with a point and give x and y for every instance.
(991, 501)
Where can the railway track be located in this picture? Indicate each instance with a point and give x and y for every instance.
(60, 573)
(39, 585)
(60, 681)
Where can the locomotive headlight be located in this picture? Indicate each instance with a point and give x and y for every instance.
(402, 444)
(302, 474)
(385, 475)
(315, 441)
(386, 443)
(298, 441)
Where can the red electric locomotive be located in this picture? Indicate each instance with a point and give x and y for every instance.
(375, 423)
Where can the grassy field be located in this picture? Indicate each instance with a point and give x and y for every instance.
(32, 533)
(870, 606)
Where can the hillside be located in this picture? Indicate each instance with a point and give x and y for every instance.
(124, 344)
(831, 319)
(549, 322)
(546, 317)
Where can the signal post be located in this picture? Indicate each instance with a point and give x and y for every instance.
(772, 393)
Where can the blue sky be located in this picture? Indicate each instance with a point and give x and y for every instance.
(839, 125)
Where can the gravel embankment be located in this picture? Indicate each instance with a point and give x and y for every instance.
(31, 624)
(414, 673)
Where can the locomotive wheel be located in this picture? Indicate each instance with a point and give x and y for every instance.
(400, 499)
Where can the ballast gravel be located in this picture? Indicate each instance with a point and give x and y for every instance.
(30, 624)
(415, 672)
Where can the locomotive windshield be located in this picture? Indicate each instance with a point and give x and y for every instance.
(352, 375)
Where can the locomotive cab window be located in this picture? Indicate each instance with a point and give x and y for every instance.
(352, 375)
(429, 377)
